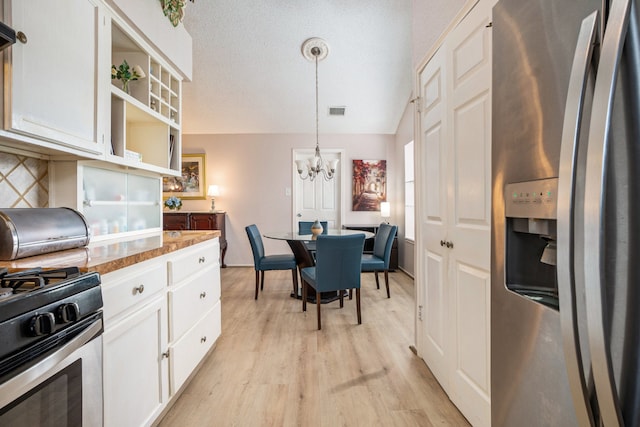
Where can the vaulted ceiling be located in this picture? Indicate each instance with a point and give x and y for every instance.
(251, 77)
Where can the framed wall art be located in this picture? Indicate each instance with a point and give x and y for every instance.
(192, 182)
(369, 184)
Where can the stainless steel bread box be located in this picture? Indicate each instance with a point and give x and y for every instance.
(34, 231)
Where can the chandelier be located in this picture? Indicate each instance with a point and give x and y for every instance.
(316, 49)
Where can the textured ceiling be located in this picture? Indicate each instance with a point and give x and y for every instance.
(249, 75)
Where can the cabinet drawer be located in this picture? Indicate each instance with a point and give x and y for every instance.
(191, 301)
(122, 289)
(185, 354)
(189, 262)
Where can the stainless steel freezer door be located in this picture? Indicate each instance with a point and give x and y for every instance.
(533, 48)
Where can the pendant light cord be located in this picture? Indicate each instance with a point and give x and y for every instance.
(317, 137)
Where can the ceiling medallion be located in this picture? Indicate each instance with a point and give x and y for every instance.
(309, 49)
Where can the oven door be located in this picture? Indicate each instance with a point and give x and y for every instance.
(63, 388)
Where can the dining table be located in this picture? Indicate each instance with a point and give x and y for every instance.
(303, 247)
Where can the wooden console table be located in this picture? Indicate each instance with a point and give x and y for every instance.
(198, 221)
(368, 244)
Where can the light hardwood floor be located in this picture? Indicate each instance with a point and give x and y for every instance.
(272, 367)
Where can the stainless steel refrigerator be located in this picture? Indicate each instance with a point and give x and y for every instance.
(565, 307)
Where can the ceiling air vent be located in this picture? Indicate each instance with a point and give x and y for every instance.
(337, 111)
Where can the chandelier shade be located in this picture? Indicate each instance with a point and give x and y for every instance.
(316, 49)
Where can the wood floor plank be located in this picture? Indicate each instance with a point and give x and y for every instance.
(272, 367)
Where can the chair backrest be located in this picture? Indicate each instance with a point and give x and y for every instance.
(384, 241)
(304, 227)
(338, 262)
(256, 244)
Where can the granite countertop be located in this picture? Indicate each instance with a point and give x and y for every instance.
(110, 255)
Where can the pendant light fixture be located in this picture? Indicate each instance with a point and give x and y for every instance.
(316, 49)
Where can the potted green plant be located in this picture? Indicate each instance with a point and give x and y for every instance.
(125, 74)
(174, 10)
(173, 203)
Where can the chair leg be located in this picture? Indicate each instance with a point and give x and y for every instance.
(386, 280)
(377, 281)
(318, 304)
(341, 292)
(350, 293)
(358, 306)
(305, 290)
(257, 282)
(295, 281)
(262, 281)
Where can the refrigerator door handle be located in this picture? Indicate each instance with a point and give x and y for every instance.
(566, 207)
(594, 265)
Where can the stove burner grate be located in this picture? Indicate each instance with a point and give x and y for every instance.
(27, 280)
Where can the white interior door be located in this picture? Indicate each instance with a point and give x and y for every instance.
(318, 199)
(433, 217)
(469, 231)
(453, 227)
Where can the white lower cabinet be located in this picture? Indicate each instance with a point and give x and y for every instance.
(135, 338)
(194, 304)
(135, 380)
(157, 330)
(188, 351)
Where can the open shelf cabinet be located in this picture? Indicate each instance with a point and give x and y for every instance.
(145, 120)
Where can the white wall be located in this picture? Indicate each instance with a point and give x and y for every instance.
(404, 135)
(254, 170)
(430, 19)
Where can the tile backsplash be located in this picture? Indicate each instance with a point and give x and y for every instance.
(24, 182)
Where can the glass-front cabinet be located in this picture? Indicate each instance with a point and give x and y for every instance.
(115, 202)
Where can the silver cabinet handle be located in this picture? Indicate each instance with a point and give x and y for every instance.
(203, 295)
(22, 37)
(566, 211)
(450, 245)
(201, 260)
(138, 289)
(203, 339)
(595, 181)
(442, 243)
(165, 355)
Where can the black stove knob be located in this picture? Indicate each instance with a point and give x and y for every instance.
(42, 324)
(69, 312)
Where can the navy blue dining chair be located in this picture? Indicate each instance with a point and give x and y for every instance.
(379, 259)
(304, 227)
(337, 269)
(262, 262)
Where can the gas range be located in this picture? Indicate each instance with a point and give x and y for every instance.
(41, 309)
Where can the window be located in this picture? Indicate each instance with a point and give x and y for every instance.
(409, 197)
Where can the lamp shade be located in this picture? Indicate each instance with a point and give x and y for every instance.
(213, 191)
(385, 209)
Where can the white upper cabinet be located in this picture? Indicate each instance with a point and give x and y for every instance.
(54, 75)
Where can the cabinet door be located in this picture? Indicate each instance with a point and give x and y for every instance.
(175, 221)
(135, 371)
(188, 351)
(204, 221)
(57, 78)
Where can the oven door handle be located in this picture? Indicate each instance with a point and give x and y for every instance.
(21, 383)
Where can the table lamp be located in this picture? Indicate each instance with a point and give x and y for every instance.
(212, 192)
(385, 211)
